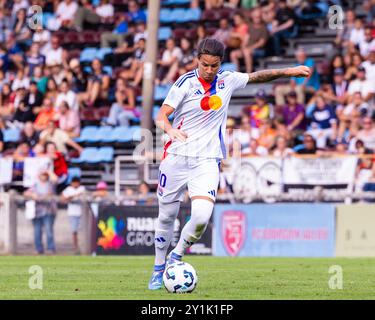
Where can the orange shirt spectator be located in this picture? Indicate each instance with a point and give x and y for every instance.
(46, 114)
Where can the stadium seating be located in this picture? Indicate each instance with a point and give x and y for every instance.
(11, 135)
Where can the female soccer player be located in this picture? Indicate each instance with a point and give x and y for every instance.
(199, 100)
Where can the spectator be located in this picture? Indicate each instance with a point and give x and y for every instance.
(369, 66)
(123, 110)
(60, 167)
(135, 13)
(38, 151)
(299, 85)
(267, 134)
(41, 81)
(128, 197)
(6, 104)
(339, 88)
(352, 63)
(367, 133)
(312, 9)
(20, 154)
(223, 33)
(69, 120)
(259, 111)
(59, 137)
(45, 115)
(18, 5)
(343, 35)
(52, 89)
(253, 46)
(30, 106)
(323, 126)
(74, 192)
(309, 145)
(33, 59)
(21, 30)
(88, 14)
(67, 95)
(135, 73)
(246, 132)
(56, 55)
(337, 62)
(145, 196)
(64, 15)
(281, 149)
(45, 210)
(188, 61)
(117, 35)
(254, 149)
(98, 85)
(42, 37)
(240, 32)
(283, 27)
(294, 115)
(15, 53)
(5, 25)
(362, 85)
(101, 191)
(357, 34)
(168, 65)
(29, 135)
(367, 44)
(21, 81)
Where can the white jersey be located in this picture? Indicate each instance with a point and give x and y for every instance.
(201, 111)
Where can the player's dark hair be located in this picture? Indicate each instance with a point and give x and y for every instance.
(211, 47)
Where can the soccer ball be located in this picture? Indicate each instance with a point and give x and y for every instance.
(180, 277)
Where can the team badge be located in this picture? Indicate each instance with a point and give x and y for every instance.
(233, 231)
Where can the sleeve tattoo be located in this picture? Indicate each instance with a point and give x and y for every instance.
(267, 75)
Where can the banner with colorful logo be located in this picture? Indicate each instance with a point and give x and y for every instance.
(278, 230)
(130, 230)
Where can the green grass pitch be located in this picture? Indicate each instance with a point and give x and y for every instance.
(74, 277)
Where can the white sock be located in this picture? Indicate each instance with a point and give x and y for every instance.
(201, 211)
(164, 230)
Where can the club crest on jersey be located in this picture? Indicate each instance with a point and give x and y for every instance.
(221, 84)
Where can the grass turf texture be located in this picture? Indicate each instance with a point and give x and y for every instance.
(66, 277)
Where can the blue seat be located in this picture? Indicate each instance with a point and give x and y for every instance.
(88, 54)
(228, 66)
(100, 53)
(46, 16)
(11, 135)
(164, 33)
(160, 92)
(193, 14)
(135, 133)
(88, 155)
(121, 134)
(108, 69)
(104, 134)
(178, 15)
(87, 134)
(105, 154)
(165, 15)
(72, 173)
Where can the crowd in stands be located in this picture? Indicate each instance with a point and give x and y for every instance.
(47, 87)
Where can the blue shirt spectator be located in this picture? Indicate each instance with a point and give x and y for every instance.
(135, 14)
(322, 116)
(314, 80)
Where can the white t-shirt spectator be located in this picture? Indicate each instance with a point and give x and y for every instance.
(44, 37)
(74, 209)
(23, 4)
(54, 57)
(357, 36)
(105, 10)
(365, 87)
(70, 97)
(168, 55)
(365, 47)
(20, 83)
(260, 151)
(370, 70)
(66, 11)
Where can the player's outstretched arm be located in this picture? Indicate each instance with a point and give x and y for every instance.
(272, 74)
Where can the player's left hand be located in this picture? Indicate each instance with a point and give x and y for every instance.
(300, 71)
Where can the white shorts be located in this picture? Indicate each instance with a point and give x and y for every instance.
(199, 175)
